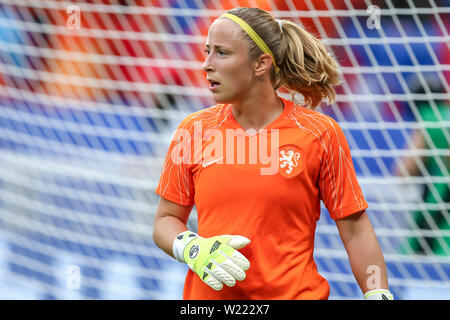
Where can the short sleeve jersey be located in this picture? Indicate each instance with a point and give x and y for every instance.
(266, 186)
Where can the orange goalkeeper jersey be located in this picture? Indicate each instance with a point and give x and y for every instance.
(216, 165)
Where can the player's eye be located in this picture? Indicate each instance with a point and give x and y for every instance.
(218, 52)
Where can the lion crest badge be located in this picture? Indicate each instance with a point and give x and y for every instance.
(291, 161)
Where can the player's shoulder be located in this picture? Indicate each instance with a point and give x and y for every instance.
(207, 117)
(313, 120)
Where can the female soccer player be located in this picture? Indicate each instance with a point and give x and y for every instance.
(256, 166)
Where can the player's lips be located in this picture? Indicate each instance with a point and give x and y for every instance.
(213, 84)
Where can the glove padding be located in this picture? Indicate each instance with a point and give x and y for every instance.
(215, 260)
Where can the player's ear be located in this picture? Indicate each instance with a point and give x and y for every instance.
(262, 64)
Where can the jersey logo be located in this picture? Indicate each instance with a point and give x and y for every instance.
(291, 161)
(205, 164)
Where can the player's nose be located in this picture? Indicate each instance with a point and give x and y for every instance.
(207, 64)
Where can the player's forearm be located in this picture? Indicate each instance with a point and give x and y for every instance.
(367, 262)
(165, 229)
(364, 252)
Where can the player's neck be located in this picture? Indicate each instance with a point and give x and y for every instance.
(258, 111)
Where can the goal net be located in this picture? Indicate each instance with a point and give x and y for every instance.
(91, 92)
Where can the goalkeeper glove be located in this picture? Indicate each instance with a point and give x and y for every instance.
(215, 260)
(378, 294)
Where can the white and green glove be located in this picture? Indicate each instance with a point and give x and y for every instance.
(378, 294)
(215, 260)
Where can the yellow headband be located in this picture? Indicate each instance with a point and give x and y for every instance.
(255, 37)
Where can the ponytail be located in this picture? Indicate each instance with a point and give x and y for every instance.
(307, 67)
(304, 64)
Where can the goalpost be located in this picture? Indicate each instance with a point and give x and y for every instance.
(90, 95)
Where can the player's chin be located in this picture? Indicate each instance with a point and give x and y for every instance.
(221, 97)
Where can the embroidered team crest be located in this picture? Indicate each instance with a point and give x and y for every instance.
(291, 161)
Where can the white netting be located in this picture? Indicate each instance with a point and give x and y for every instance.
(90, 96)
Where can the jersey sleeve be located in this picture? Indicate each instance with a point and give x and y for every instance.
(338, 183)
(176, 181)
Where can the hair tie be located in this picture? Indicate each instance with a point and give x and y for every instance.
(280, 24)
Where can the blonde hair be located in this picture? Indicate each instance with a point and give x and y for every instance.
(305, 66)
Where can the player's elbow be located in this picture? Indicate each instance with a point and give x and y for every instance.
(353, 226)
